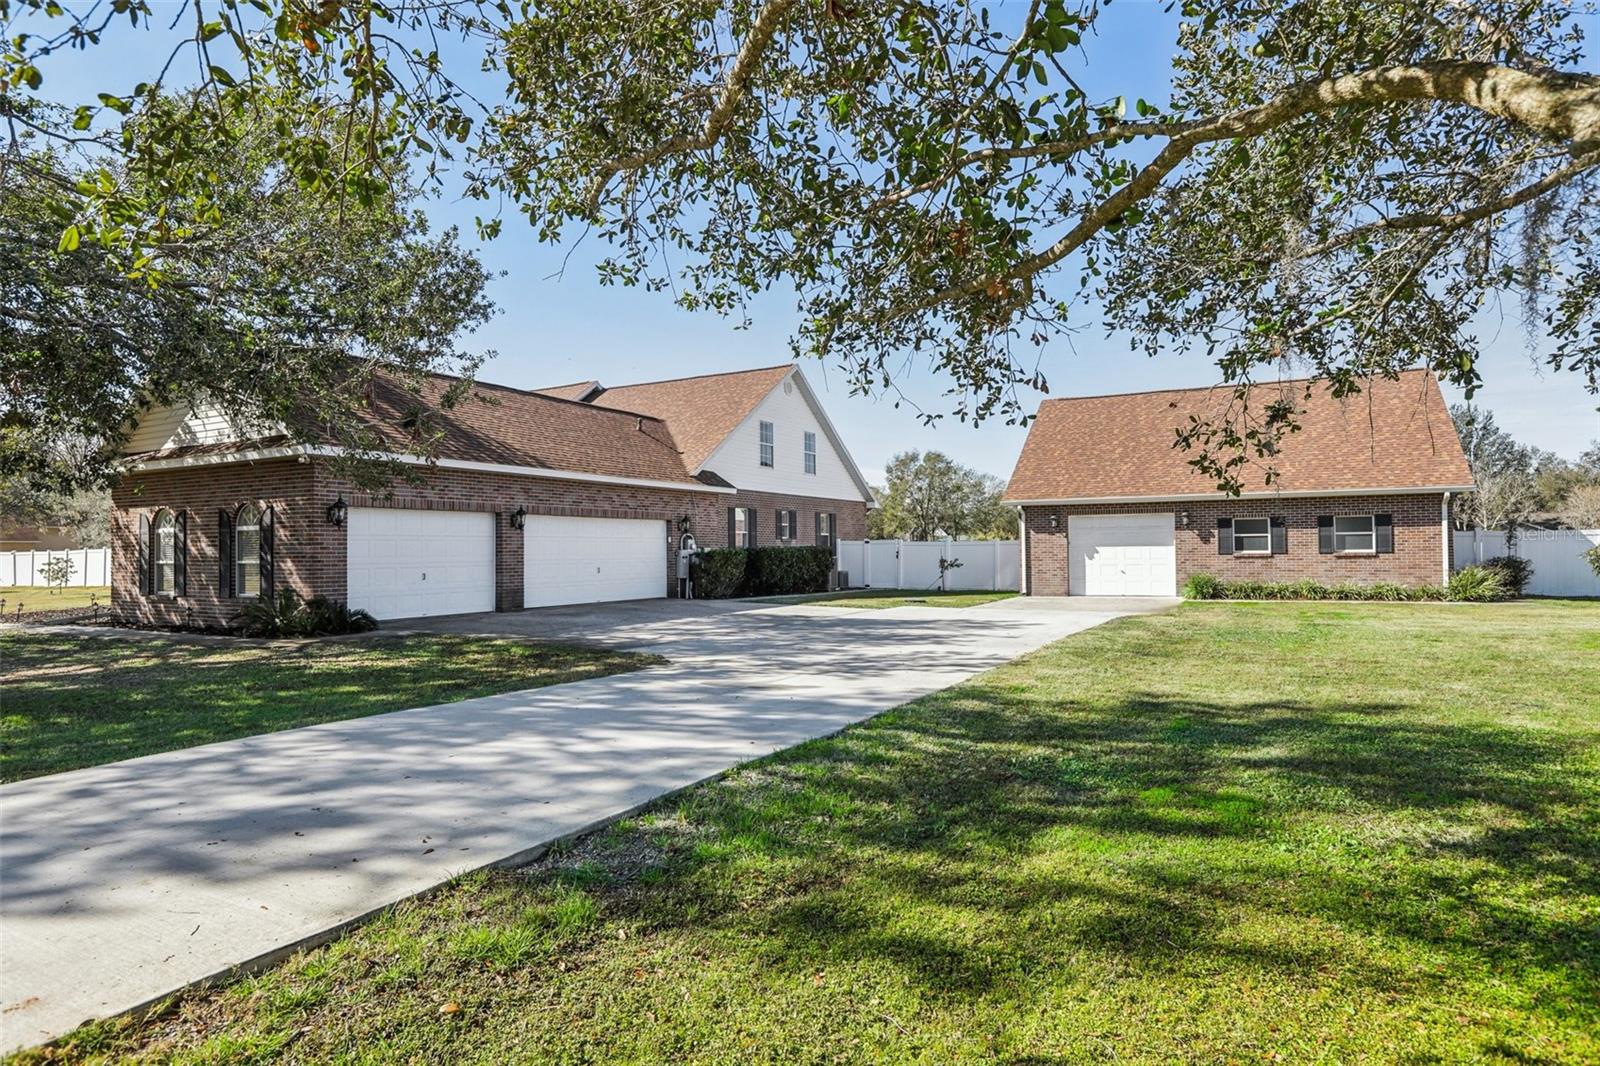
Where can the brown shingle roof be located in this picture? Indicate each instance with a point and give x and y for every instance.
(578, 390)
(1393, 435)
(702, 410)
(499, 424)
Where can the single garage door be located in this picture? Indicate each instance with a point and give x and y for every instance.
(1122, 555)
(408, 563)
(592, 560)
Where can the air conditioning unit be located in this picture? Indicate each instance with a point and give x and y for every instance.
(841, 580)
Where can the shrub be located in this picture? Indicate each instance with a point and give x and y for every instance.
(1388, 590)
(1210, 587)
(286, 615)
(1429, 592)
(787, 571)
(720, 573)
(1249, 590)
(1593, 556)
(1514, 573)
(1204, 587)
(1477, 584)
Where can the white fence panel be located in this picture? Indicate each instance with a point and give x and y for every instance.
(90, 566)
(1559, 568)
(908, 564)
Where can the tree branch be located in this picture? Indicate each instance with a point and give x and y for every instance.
(762, 30)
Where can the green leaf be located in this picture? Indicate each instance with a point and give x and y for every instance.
(69, 240)
(222, 75)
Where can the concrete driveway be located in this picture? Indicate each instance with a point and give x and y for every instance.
(120, 884)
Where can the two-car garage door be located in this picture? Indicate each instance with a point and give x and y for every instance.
(1122, 555)
(408, 563)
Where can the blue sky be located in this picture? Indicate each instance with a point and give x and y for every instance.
(553, 329)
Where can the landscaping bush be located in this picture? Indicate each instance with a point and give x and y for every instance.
(1211, 587)
(1477, 584)
(1205, 587)
(287, 615)
(788, 571)
(720, 573)
(1514, 573)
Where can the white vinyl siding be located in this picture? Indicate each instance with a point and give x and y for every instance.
(1252, 536)
(159, 428)
(1354, 533)
(737, 459)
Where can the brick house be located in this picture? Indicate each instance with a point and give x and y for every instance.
(1361, 494)
(531, 498)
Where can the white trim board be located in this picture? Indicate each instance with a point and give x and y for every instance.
(307, 451)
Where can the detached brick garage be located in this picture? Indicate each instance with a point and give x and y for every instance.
(1361, 494)
(531, 499)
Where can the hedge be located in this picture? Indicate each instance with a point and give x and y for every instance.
(723, 573)
(1474, 584)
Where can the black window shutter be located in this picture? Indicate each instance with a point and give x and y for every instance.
(1280, 534)
(833, 529)
(733, 527)
(794, 526)
(1224, 536)
(224, 554)
(750, 526)
(268, 565)
(145, 554)
(180, 556)
(816, 529)
(1383, 532)
(1325, 534)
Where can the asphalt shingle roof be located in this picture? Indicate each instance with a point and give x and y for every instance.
(1395, 434)
(702, 410)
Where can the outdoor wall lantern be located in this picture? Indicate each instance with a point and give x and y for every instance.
(683, 524)
(518, 517)
(1055, 521)
(1183, 519)
(337, 510)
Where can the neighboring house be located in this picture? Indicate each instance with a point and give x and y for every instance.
(1362, 494)
(24, 536)
(530, 499)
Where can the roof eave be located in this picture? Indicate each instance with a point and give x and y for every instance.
(1196, 497)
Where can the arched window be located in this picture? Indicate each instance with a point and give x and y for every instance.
(165, 578)
(247, 551)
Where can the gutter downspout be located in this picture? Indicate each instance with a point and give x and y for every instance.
(1444, 527)
(1022, 549)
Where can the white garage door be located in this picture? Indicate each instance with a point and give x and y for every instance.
(592, 560)
(407, 563)
(1122, 555)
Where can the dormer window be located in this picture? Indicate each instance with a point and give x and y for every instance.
(766, 444)
(811, 453)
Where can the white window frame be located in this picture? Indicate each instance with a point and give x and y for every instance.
(239, 527)
(1370, 533)
(166, 541)
(1264, 537)
(768, 449)
(741, 527)
(829, 540)
(785, 529)
(810, 452)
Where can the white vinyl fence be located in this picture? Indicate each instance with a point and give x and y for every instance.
(1559, 568)
(90, 566)
(987, 565)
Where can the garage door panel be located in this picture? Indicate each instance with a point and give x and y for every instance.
(592, 560)
(408, 563)
(1122, 555)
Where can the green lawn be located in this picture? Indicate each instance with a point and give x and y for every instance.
(878, 599)
(72, 701)
(1275, 832)
(32, 598)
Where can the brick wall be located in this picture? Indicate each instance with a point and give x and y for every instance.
(1418, 557)
(310, 554)
(852, 517)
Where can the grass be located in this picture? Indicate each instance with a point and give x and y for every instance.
(31, 598)
(879, 599)
(74, 701)
(1276, 832)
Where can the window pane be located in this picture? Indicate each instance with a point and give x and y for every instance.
(1353, 533)
(247, 555)
(811, 453)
